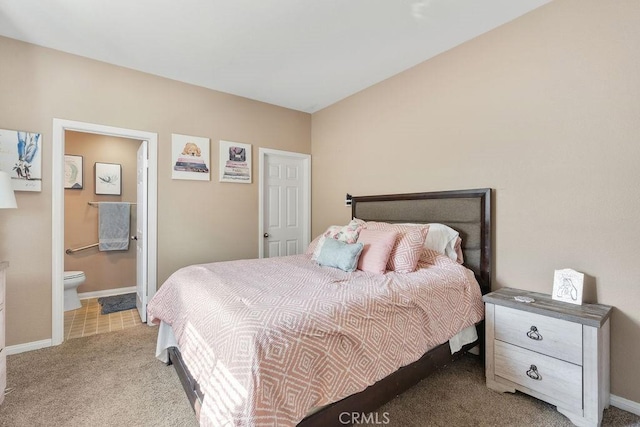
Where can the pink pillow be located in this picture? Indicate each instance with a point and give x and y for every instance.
(408, 248)
(378, 245)
(347, 234)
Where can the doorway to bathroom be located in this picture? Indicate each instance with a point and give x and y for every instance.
(75, 216)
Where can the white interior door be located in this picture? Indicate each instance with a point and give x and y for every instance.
(141, 232)
(285, 203)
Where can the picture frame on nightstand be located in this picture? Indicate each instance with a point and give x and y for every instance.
(568, 285)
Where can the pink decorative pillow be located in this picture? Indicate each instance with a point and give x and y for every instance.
(347, 234)
(378, 245)
(408, 248)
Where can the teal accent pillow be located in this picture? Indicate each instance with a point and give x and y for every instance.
(344, 256)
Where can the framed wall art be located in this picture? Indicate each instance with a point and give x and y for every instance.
(567, 286)
(190, 157)
(235, 162)
(21, 158)
(108, 178)
(73, 172)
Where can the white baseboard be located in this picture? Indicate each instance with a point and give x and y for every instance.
(625, 404)
(21, 348)
(107, 292)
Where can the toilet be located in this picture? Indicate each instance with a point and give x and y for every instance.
(72, 279)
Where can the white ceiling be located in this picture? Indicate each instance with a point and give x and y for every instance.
(298, 54)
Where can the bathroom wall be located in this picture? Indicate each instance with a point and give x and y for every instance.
(104, 270)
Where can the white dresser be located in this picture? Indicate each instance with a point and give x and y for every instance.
(555, 351)
(3, 353)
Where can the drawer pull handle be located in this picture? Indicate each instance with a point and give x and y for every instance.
(534, 334)
(534, 374)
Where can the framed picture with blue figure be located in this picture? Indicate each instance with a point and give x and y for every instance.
(73, 172)
(21, 158)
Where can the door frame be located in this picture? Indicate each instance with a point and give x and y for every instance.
(57, 214)
(306, 199)
(141, 232)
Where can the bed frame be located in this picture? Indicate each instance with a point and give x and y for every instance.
(468, 212)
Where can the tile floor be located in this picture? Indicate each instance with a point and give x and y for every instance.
(87, 320)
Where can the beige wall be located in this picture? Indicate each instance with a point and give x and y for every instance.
(198, 221)
(104, 270)
(545, 110)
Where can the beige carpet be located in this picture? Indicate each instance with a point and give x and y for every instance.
(113, 379)
(457, 396)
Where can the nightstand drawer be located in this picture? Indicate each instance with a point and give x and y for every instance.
(558, 379)
(547, 335)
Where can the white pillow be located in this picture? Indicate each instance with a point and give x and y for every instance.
(442, 239)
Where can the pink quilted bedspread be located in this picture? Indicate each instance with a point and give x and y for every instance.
(269, 339)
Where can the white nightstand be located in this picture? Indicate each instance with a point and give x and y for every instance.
(555, 351)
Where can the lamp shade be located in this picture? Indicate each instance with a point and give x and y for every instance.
(7, 197)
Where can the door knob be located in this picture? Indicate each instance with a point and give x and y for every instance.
(134, 237)
(265, 235)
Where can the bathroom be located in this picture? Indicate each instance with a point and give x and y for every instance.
(106, 273)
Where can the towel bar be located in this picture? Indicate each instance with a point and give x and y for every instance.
(96, 204)
(70, 251)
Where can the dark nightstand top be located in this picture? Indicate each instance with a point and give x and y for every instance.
(587, 314)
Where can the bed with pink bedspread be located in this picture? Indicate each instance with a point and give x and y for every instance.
(269, 340)
(284, 335)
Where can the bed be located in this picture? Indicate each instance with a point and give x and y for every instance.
(466, 211)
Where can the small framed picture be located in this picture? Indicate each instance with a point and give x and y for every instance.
(567, 286)
(190, 157)
(235, 162)
(73, 172)
(108, 178)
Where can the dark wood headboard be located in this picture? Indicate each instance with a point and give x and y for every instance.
(466, 211)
